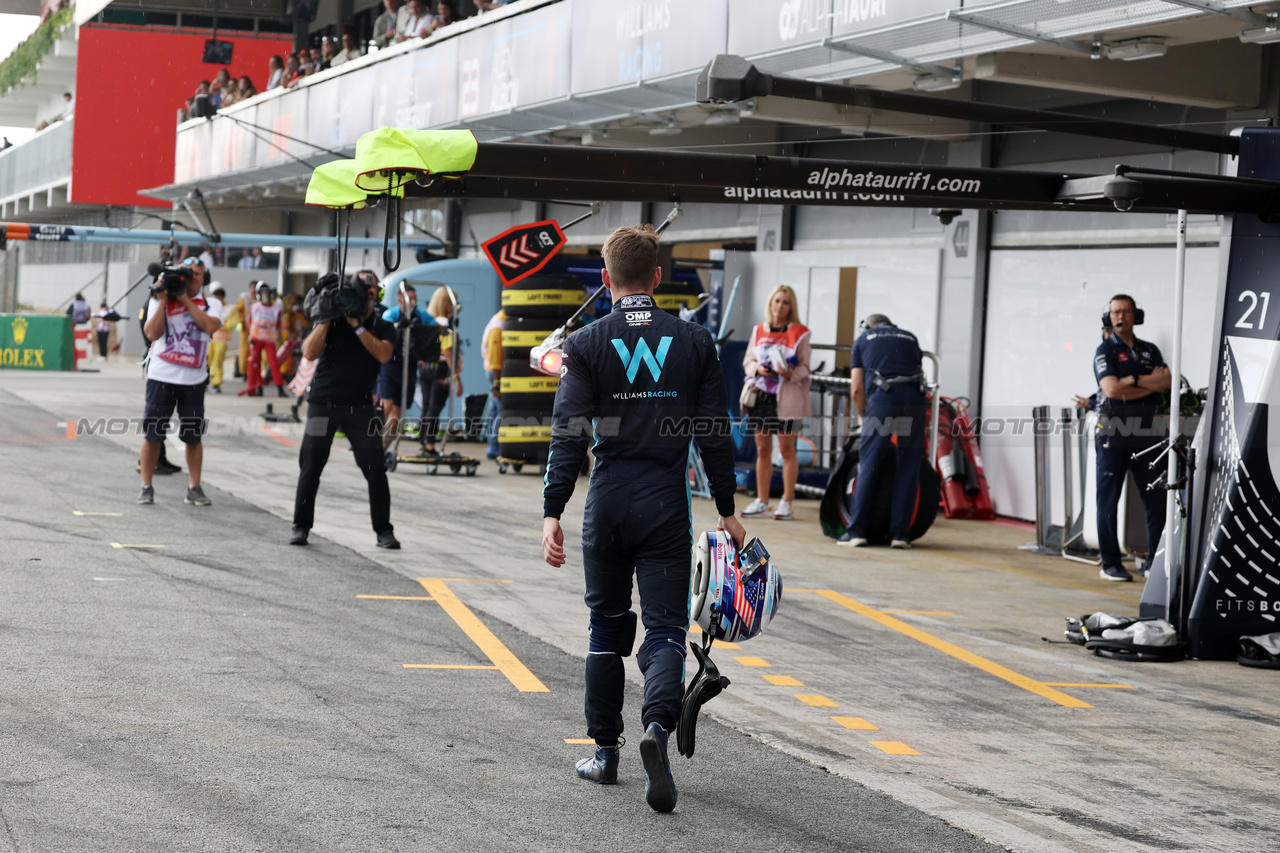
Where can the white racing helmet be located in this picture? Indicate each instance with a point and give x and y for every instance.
(735, 594)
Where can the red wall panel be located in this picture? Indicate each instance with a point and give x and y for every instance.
(130, 83)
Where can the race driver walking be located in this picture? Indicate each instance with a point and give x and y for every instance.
(640, 383)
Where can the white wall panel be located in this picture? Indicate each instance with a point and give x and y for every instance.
(900, 283)
(1044, 312)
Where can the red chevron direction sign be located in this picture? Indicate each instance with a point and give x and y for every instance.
(521, 251)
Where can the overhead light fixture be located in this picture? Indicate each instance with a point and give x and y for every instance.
(1131, 49)
(1262, 35)
(723, 118)
(936, 82)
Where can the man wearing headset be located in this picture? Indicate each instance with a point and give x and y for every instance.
(637, 385)
(349, 352)
(1132, 375)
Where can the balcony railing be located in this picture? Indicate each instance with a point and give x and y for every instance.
(546, 65)
(37, 165)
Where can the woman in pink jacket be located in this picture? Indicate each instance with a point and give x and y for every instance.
(777, 367)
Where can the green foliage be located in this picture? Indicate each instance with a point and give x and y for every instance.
(22, 63)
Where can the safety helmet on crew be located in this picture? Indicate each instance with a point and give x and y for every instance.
(735, 594)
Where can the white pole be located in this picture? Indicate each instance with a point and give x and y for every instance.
(1172, 547)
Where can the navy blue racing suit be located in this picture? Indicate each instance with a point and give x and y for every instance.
(1126, 427)
(886, 352)
(640, 384)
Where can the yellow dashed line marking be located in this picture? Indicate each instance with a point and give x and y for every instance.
(816, 701)
(856, 723)
(720, 644)
(747, 661)
(580, 740)
(782, 681)
(893, 747)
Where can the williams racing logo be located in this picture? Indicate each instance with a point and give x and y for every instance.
(631, 361)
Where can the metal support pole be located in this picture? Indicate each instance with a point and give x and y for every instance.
(1068, 490)
(1172, 551)
(1044, 497)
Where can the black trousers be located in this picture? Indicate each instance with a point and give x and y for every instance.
(361, 426)
(643, 530)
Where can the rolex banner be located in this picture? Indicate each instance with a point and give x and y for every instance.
(36, 342)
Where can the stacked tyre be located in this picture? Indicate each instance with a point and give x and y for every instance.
(535, 307)
(671, 296)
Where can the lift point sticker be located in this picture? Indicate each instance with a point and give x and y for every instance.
(521, 251)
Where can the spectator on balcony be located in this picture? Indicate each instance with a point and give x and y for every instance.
(293, 71)
(317, 58)
(350, 50)
(389, 23)
(67, 112)
(250, 260)
(490, 5)
(7, 144)
(244, 90)
(328, 50)
(275, 72)
(221, 89)
(445, 15)
(418, 22)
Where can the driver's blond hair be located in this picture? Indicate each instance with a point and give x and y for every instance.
(631, 255)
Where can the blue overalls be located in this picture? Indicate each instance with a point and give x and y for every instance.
(1125, 428)
(887, 352)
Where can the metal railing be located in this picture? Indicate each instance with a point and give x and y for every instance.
(34, 165)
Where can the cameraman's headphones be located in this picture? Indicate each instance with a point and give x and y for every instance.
(1138, 314)
(364, 279)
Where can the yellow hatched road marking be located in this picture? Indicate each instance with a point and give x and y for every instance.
(893, 747)
(1029, 684)
(746, 661)
(118, 545)
(399, 597)
(816, 701)
(579, 740)
(446, 666)
(515, 671)
(856, 723)
(782, 681)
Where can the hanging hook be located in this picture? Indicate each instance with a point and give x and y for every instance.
(393, 221)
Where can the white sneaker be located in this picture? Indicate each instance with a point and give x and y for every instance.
(756, 507)
(900, 544)
(783, 512)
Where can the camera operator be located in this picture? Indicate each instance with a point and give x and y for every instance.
(177, 372)
(349, 350)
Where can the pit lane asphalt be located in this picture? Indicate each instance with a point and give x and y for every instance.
(229, 692)
(1168, 757)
